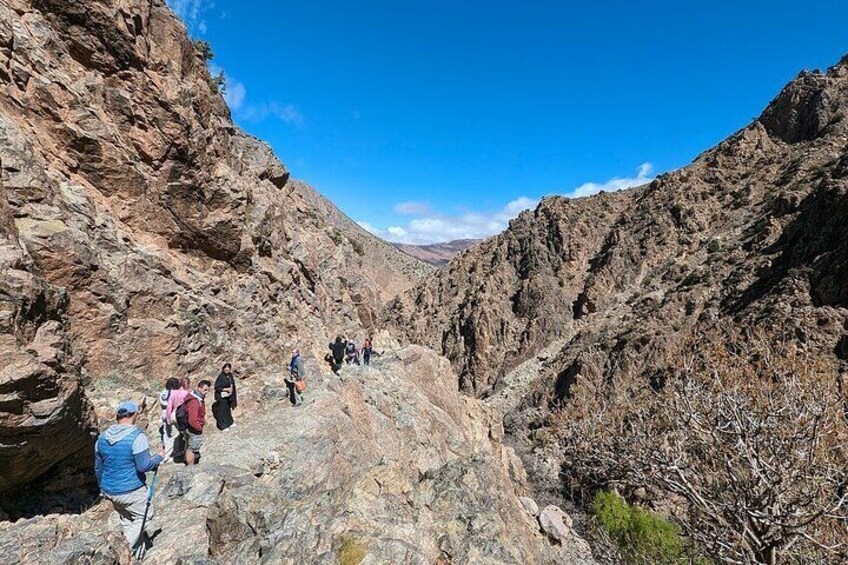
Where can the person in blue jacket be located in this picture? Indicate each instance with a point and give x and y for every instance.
(121, 459)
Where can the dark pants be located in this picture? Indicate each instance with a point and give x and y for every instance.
(366, 356)
(337, 365)
(223, 413)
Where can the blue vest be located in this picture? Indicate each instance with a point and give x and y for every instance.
(119, 473)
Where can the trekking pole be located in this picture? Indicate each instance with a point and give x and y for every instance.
(140, 545)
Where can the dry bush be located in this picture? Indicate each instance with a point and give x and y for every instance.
(747, 432)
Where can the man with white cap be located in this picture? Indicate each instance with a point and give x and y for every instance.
(121, 459)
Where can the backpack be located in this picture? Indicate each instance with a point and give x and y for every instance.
(351, 347)
(181, 414)
(300, 385)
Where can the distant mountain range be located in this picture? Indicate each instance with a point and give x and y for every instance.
(437, 253)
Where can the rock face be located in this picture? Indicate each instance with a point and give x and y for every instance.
(438, 253)
(46, 423)
(751, 233)
(159, 237)
(497, 304)
(387, 464)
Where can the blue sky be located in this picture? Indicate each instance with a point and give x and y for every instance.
(433, 120)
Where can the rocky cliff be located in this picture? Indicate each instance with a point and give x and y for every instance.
(147, 236)
(45, 421)
(598, 289)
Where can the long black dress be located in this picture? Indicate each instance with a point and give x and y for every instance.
(222, 409)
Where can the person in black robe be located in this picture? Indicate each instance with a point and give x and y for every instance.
(225, 398)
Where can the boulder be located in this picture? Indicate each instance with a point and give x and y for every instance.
(555, 523)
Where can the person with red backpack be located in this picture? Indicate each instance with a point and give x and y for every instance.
(191, 417)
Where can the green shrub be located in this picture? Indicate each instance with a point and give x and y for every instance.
(641, 535)
(357, 246)
(204, 49)
(336, 236)
(218, 83)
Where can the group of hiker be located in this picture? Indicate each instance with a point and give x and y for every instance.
(123, 453)
(343, 351)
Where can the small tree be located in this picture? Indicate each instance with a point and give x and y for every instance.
(747, 437)
(204, 49)
(218, 83)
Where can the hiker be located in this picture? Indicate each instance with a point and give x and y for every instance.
(298, 378)
(176, 399)
(121, 459)
(296, 364)
(167, 432)
(193, 417)
(337, 349)
(368, 350)
(225, 398)
(351, 353)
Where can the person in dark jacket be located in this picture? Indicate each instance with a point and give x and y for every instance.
(225, 398)
(297, 372)
(195, 407)
(296, 364)
(337, 349)
(368, 350)
(121, 459)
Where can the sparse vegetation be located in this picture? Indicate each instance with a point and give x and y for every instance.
(218, 83)
(642, 536)
(335, 235)
(349, 550)
(357, 246)
(746, 442)
(204, 49)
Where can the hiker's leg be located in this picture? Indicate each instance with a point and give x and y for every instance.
(168, 438)
(195, 442)
(227, 412)
(189, 456)
(130, 507)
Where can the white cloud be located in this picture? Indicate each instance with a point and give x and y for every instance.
(235, 92)
(643, 176)
(235, 95)
(192, 12)
(412, 208)
(288, 113)
(427, 226)
(432, 227)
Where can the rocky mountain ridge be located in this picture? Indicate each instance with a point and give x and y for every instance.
(592, 292)
(437, 254)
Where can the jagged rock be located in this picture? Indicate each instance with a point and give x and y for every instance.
(390, 463)
(46, 423)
